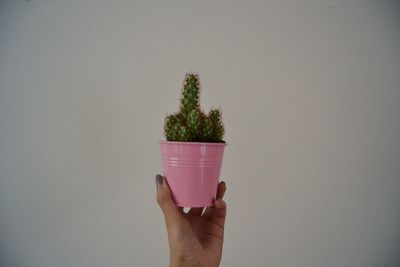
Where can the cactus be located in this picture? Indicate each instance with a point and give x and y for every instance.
(194, 123)
(190, 124)
(190, 94)
(217, 126)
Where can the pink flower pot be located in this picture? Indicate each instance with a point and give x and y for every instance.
(192, 170)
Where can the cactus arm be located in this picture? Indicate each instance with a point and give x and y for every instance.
(190, 94)
(215, 116)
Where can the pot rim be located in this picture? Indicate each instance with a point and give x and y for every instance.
(192, 143)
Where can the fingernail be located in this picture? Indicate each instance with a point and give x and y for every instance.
(159, 180)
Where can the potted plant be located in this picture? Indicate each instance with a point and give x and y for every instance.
(194, 147)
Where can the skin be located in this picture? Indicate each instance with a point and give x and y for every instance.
(195, 238)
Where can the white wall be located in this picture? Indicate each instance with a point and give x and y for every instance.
(309, 92)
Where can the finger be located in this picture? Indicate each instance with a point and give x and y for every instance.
(220, 194)
(218, 214)
(221, 190)
(164, 200)
(196, 211)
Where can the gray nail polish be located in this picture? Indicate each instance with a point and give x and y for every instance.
(159, 180)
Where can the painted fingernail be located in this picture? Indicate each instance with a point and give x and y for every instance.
(159, 180)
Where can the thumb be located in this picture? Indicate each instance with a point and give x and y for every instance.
(164, 200)
(218, 212)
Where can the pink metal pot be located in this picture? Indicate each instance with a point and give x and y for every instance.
(192, 170)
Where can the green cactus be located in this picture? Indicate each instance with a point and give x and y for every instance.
(206, 134)
(190, 94)
(194, 123)
(215, 117)
(190, 124)
(184, 134)
(169, 131)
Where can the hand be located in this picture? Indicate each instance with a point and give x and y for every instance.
(195, 238)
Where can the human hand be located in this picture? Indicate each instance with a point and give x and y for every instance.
(195, 238)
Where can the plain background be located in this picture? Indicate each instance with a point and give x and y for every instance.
(310, 96)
